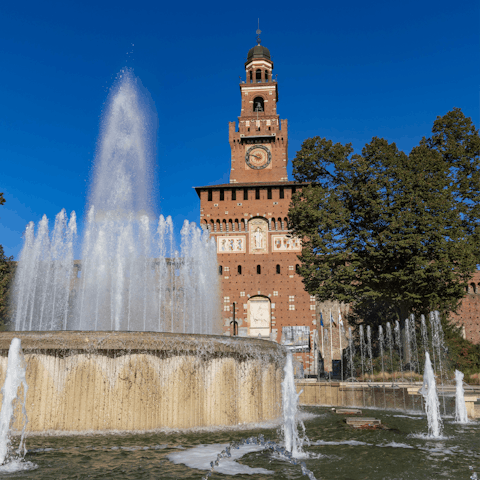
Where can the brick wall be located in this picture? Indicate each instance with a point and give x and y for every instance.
(468, 315)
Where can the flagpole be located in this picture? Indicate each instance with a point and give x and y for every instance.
(331, 344)
(340, 338)
(323, 352)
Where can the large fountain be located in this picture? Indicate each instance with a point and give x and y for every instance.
(127, 338)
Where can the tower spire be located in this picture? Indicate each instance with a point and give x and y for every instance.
(258, 32)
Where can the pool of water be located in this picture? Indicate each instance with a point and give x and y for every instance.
(336, 451)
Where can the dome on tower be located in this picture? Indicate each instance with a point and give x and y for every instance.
(258, 51)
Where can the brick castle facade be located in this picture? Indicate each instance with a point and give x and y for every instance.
(257, 256)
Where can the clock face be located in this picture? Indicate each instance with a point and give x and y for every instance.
(258, 157)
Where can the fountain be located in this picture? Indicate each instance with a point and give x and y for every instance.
(293, 443)
(460, 408)
(123, 340)
(131, 277)
(13, 405)
(432, 405)
(127, 338)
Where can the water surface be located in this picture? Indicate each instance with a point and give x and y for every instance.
(336, 451)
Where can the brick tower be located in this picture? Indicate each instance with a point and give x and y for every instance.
(257, 257)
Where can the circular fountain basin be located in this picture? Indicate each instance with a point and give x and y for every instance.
(83, 381)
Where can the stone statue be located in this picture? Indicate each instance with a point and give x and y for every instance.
(258, 235)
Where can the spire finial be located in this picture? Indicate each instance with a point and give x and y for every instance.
(258, 32)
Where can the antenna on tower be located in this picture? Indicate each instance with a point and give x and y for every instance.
(258, 32)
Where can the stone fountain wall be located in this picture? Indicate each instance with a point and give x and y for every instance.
(119, 381)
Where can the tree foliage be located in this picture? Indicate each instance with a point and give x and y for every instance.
(7, 272)
(388, 229)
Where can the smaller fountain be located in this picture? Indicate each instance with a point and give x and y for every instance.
(460, 408)
(290, 452)
(293, 443)
(432, 405)
(15, 379)
(381, 341)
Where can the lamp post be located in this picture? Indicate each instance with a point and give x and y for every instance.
(235, 323)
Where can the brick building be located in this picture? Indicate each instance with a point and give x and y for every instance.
(468, 316)
(257, 257)
(248, 218)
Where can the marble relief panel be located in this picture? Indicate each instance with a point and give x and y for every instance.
(258, 232)
(286, 243)
(231, 244)
(259, 316)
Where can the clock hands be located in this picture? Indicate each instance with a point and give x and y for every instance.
(256, 156)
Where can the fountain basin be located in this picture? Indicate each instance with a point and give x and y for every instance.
(139, 381)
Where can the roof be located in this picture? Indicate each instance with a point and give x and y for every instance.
(258, 51)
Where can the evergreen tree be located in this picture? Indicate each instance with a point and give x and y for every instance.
(386, 231)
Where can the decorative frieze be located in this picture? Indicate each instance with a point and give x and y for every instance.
(231, 244)
(286, 243)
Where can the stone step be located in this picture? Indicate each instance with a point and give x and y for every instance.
(347, 411)
(362, 421)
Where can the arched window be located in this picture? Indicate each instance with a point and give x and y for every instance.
(258, 104)
(285, 224)
(217, 226)
(266, 75)
(251, 77)
(258, 76)
(220, 269)
(239, 269)
(230, 226)
(259, 269)
(278, 269)
(297, 268)
(473, 288)
(224, 226)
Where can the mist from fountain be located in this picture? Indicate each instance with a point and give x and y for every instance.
(132, 276)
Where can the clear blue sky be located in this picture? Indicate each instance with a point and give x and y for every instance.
(346, 71)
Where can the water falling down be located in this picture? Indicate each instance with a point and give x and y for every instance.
(131, 276)
(460, 407)
(432, 405)
(293, 443)
(11, 459)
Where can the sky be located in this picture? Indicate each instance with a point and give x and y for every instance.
(347, 71)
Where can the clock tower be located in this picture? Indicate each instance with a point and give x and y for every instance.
(260, 144)
(263, 295)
